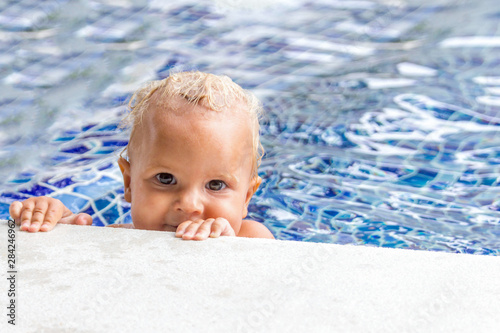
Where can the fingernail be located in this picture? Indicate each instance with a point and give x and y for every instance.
(25, 226)
(44, 227)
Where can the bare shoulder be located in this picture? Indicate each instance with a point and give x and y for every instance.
(254, 229)
(126, 226)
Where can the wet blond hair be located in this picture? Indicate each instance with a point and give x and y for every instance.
(217, 93)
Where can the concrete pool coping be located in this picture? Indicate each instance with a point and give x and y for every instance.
(90, 279)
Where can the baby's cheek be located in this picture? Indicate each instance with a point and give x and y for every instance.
(229, 210)
(141, 219)
(235, 224)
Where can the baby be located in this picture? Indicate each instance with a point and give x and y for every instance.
(190, 165)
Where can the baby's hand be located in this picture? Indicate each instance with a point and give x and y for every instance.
(43, 213)
(202, 229)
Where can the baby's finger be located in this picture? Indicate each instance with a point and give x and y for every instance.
(15, 211)
(192, 229)
(80, 219)
(37, 216)
(83, 219)
(216, 229)
(38, 210)
(181, 228)
(204, 230)
(221, 227)
(26, 214)
(53, 214)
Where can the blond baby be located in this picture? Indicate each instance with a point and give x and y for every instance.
(190, 165)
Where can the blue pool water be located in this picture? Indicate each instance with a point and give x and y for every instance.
(382, 121)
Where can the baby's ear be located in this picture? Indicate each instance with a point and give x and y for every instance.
(125, 169)
(254, 185)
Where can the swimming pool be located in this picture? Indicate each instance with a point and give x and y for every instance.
(382, 124)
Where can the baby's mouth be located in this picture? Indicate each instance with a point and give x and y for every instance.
(168, 227)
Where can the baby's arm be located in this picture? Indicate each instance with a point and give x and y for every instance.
(43, 213)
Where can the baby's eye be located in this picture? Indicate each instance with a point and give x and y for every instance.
(216, 185)
(166, 178)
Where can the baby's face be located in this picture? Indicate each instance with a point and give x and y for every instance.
(189, 164)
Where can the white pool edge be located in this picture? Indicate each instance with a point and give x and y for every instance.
(113, 280)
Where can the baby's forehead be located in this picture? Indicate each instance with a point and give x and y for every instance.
(162, 107)
(214, 102)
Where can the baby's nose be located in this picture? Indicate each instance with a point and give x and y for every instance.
(190, 203)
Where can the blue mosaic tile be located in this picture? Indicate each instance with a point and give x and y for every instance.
(59, 159)
(115, 144)
(103, 203)
(87, 127)
(127, 219)
(89, 210)
(91, 190)
(80, 149)
(74, 203)
(20, 181)
(105, 166)
(104, 151)
(62, 183)
(14, 196)
(111, 215)
(63, 139)
(37, 191)
(4, 210)
(97, 222)
(110, 127)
